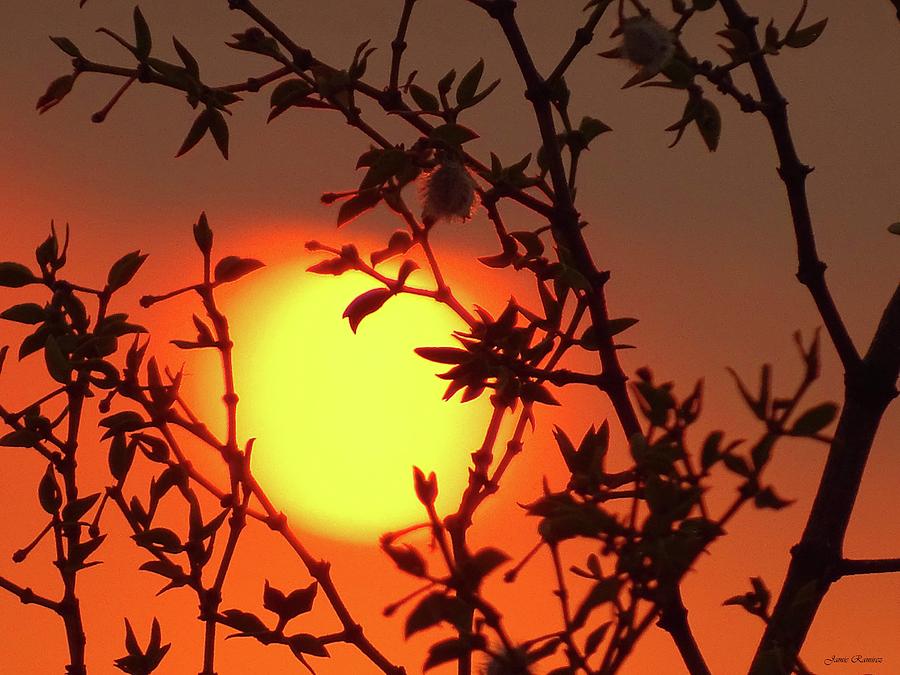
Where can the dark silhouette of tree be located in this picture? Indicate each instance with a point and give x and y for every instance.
(649, 522)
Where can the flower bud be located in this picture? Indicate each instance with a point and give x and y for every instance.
(448, 193)
(647, 43)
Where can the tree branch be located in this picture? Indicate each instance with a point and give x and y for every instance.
(848, 567)
(583, 37)
(28, 596)
(811, 270)
(817, 558)
(398, 46)
(674, 620)
(566, 227)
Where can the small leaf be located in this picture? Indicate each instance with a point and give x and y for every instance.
(407, 559)
(595, 637)
(483, 94)
(335, 266)
(399, 243)
(814, 420)
(448, 355)
(48, 492)
(75, 510)
(364, 304)
(131, 643)
(406, 268)
(288, 93)
(219, 129)
(23, 438)
(58, 366)
(431, 610)
(56, 91)
(190, 63)
(605, 590)
(304, 643)
(737, 464)
(127, 420)
(362, 202)
(121, 456)
(591, 127)
(232, 267)
(531, 241)
(273, 599)
(468, 85)
(67, 46)
(805, 37)
(446, 82)
(453, 135)
(762, 451)
(164, 568)
(244, 622)
(483, 563)
(80, 553)
(453, 649)
(710, 453)
(195, 133)
(160, 538)
(424, 99)
(767, 499)
(15, 275)
(143, 42)
(27, 313)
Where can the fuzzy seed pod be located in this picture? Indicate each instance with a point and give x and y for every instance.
(647, 43)
(448, 193)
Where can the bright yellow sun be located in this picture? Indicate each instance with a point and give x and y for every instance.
(340, 419)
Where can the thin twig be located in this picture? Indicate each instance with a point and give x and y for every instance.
(28, 596)
(811, 270)
(398, 46)
(849, 567)
(583, 37)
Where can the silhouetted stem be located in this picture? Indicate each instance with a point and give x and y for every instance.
(254, 84)
(398, 46)
(793, 172)
(564, 218)
(28, 596)
(674, 620)
(241, 474)
(70, 608)
(576, 658)
(878, 566)
(320, 570)
(583, 37)
(12, 420)
(458, 524)
(443, 293)
(816, 560)
(869, 387)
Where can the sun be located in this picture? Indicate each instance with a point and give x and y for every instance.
(341, 419)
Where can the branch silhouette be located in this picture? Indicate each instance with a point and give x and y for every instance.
(646, 523)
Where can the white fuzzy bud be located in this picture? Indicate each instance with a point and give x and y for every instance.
(647, 43)
(448, 193)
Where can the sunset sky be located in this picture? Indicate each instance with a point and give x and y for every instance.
(699, 245)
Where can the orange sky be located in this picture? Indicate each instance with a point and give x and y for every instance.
(699, 245)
